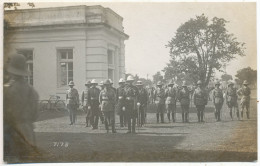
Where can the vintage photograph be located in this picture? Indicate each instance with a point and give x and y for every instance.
(129, 82)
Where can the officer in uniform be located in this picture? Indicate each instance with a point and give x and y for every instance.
(231, 99)
(131, 94)
(170, 103)
(160, 101)
(141, 102)
(218, 100)
(84, 101)
(72, 100)
(245, 99)
(101, 87)
(200, 100)
(107, 98)
(93, 100)
(20, 111)
(184, 98)
(120, 100)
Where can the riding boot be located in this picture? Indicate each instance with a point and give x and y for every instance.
(162, 118)
(187, 117)
(168, 116)
(173, 117)
(106, 126)
(219, 116)
(121, 121)
(237, 114)
(86, 122)
(133, 125)
(231, 114)
(198, 114)
(216, 114)
(242, 114)
(129, 125)
(182, 117)
(201, 116)
(157, 116)
(113, 126)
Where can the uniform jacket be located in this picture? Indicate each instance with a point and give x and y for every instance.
(84, 97)
(184, 97)
(72, 96)
(143, 96)
(171, 95)
(107, 98)
(131, 94)
(160, 96)
(217, 96)
(93, 95)
(200, 96)
(120, 95)
(231, 95)
(245, 93)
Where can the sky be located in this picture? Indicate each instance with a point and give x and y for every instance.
(151, 25)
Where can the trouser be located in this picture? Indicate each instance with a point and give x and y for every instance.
(246, 105)
(131, 115)
(95, 113)
(217, 111)
(141, 116)
(122, 119)
(171, 109)
(232, 106)
(72, 112)
(109, 116)
(200, 112)
(88, 114)
(160, 112)
(185, 113)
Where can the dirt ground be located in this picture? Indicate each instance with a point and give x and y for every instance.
(176, 142)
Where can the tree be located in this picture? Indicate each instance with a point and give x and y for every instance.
(226, 77)
(15, 5)
(201, 47)
(246, 74)
(157, 77)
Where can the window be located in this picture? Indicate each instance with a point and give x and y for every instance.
(28, 53)
(110, 56)
(111, 74)
(65, 66)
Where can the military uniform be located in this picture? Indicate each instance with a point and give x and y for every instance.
(131, 93)
(93, 100)
(218, 101)
(245, 99)
(170, 103)
(231, 100)
(84, 101)
(120, 100)
(107, 98)
(200, 100)
(184, 98)
(143, 100)
(160, 103)
(72, 98)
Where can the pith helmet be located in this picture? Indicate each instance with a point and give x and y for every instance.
(121, 80)
(245, 82)
(217, 83)
(107, 82)
(184, 84)
(230, 83)
(159, 83)
(139, 83)
(130, 78)
(93, 81)
(199, 82)
(101, 83)
(87, 83)
(71, 83)
(111, 82)
(17, 65)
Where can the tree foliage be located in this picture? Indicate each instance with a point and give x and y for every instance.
(246, 74)
(201, 47)
(15, 5)
(226, 77)
(157, 77)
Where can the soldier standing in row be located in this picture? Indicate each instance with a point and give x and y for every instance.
(131, 94)
(107, 98)
(102, 118)
(218, 100)
(160, 102)
(19, 113)
(184, 98)
(200, 100)
(170, 103)
(141, 102)
(245, 100)
(93, 100)
(120, 100)
(84, 101)
(72, 100)
(231, 99)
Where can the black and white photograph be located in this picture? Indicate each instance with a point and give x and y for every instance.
(121, 81)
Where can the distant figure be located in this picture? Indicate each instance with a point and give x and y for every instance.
(184, 98)
(20, 111)
(245, 100)
(93, 100)
(72, 100)
(218, 100)
(231, 99)
(120, 100)
(84, 101)
(142, 102)
(200, 98)
(107, 98)
(160, 101)
(170, 103)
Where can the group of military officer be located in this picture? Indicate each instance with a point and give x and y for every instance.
(130, 102)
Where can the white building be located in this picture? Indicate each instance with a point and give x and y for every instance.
(76, 43)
